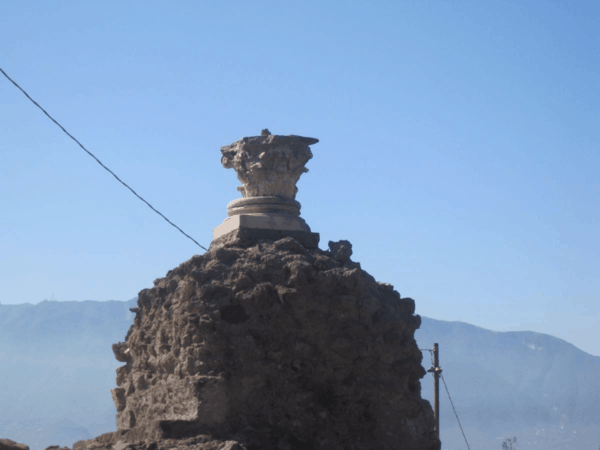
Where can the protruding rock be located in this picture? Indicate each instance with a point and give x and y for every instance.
(341, 251)
(121, 352)
(118, 396)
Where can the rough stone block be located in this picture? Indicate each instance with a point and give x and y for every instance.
(118, 396)
(261, 221)
(125, 420)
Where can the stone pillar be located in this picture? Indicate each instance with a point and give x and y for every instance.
(269, 167)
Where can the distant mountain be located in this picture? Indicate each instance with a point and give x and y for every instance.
(512, 381)
(57, 369)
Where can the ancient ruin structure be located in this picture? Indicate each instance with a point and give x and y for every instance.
(268, 342)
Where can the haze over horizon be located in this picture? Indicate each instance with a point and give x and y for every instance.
(458, 146)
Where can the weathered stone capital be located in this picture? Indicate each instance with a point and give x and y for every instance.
(268, 165)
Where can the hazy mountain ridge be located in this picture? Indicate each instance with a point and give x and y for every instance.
(57, 369)
(51, 323)
(549, 370)
(511, 380)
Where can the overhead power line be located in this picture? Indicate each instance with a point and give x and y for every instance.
(459, 424)
(98, 161)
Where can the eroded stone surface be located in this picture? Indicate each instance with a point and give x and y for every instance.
(270, 345)
(268, 165)
(249, 236)
(201, 442)
(7, 444)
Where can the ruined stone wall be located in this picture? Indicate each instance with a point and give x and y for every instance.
(274, 346)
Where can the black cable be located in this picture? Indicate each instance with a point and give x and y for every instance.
(97, 160)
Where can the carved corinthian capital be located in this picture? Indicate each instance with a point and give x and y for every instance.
(268, 165)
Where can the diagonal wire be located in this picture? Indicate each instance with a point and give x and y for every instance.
(459, 424)
(98, 161)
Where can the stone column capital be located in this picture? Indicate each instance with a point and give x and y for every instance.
(269, 167)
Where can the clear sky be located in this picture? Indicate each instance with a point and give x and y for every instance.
(459, 145)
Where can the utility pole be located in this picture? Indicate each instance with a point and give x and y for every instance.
(437, 370)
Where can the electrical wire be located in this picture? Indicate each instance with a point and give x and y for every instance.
(98, 161)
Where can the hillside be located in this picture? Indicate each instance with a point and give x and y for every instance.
(505, 382)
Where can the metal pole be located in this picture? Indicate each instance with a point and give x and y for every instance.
(436, 388)
(437, 370)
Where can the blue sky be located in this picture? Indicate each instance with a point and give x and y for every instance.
(458, 153)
